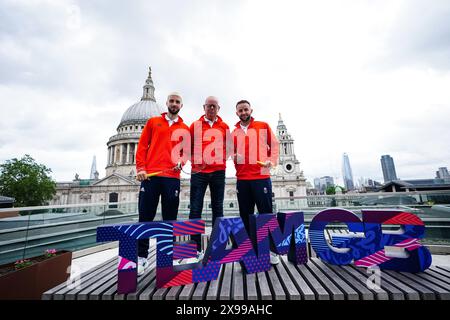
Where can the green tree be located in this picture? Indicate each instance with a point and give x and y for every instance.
(26, 181)
(330, 190)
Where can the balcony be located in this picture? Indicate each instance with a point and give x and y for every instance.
(27, 232)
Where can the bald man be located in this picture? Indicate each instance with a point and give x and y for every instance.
(158, 164)
(209, 154)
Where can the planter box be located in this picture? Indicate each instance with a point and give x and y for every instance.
(31, 282)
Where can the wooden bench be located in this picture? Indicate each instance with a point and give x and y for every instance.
(313, 281)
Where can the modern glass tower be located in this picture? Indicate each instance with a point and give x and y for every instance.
(347, 174)
(387, 164)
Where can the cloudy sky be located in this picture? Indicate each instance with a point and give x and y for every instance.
(363, 77)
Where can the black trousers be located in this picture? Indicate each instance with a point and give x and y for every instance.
(251, 193)
(199, 183)
(151, 189)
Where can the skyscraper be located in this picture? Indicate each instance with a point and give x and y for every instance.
(347, 174)
(442, 173)
(94, 172)
(387, 164)
(323, 183)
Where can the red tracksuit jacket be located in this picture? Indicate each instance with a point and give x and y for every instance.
(157, 152)
(258, 144)
(205, 144)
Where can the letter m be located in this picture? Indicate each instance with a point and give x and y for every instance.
(283, 233)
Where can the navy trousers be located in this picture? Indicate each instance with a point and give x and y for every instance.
(251, 193)
(151, 190)
(199, 183)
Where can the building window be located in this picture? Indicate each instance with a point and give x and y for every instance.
(209, 205)
(291, 193)
(113, 197)
(232, 205)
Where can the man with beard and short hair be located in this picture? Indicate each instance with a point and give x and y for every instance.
(157, 155)
(255, 151)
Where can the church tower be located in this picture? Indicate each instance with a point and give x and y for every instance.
(288, 166)
(123, 145)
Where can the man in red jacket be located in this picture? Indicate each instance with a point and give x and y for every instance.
(209, 154)
(255, 151)
(161, 152)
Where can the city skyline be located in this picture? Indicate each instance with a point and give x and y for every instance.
(347, 174)
(70, 69)
(388, 168)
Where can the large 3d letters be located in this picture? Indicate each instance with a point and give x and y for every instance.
(370, 248)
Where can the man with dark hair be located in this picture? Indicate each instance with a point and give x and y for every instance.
(209, 154)
(158, 163)
(255, 151)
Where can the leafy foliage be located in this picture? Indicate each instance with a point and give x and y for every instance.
(26, 181)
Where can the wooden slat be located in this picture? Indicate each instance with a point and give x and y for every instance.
(349, 292)
(238, 282)
(335, 292)
(92, 281)
(263, 286)
(425, 293)
(380, 293)
(437, 273)
(214, 286)
(275, 284)
(200, 291)
(186, 292)
(150, 289)
(225, 290)
(395, 288)
(441, 270)
(160, 293)
(174, 292)
(289, 287)
(111, 276)
(252, 292)
(144, 280)
(440, 288)
(444, 268)
(60, 294)
(364, 293)
(48, 295)
(98, 293)
(315, 280)
(427, 276)
(109, 293)
(320, 291)
(301, 285)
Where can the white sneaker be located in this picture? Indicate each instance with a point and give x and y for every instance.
(274, 258)
(176, 262)
(200, 255)
(142, 265)
(197, 258)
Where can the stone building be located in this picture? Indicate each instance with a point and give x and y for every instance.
(119, 184)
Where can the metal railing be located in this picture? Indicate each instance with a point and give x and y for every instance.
(29, 231)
